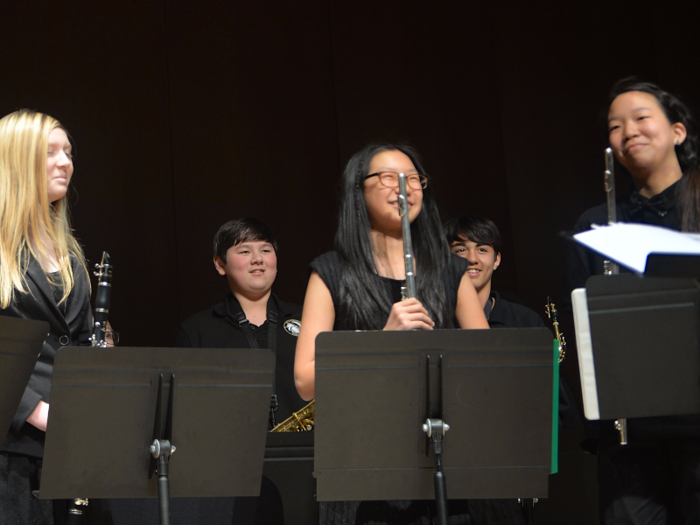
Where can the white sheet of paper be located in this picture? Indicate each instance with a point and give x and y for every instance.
(584, 348)
(630, 244)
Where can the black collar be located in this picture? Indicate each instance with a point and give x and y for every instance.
(230, 304)
(659, 204)
(496, 315)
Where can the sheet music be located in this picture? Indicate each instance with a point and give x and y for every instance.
(585, 354)
(629, 244)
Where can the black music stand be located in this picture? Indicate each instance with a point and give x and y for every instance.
(21, 342)
(645, 336)
(103, 409)
(669, 265)
(371, 405)
(289, 465)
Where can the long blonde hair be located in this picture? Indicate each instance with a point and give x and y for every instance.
(26, 215)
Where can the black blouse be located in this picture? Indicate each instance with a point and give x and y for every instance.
(328, 266)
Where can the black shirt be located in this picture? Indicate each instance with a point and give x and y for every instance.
(218, 328)
(660, 210)
(512, 315)
(329, 268)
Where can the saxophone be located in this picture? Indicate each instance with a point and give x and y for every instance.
(551, 310)
(301, 421)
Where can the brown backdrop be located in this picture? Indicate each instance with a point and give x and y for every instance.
(188, 114)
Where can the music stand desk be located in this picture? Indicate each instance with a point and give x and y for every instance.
(21, 341)
(102, 418)
(370, 408)
(645, 337)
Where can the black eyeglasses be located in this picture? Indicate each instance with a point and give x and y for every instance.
(390, 179)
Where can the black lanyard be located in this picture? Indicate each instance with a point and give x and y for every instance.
(242, 320)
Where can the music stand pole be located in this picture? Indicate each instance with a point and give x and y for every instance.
(162, 451)
(162, 448)
(435, 429)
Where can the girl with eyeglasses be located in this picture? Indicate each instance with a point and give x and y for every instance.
(358, 286)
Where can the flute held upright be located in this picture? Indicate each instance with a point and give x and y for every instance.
(410, 289)
(609, 267)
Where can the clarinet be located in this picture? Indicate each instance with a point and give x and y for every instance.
(103, 272)
(410, 289)
(102, 299)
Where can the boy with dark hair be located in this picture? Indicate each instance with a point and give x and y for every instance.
(478, 240)
(251, 316)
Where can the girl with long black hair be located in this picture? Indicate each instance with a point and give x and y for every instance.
(358, 286)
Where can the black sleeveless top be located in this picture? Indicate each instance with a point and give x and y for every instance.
(328, 267)
(386, 512)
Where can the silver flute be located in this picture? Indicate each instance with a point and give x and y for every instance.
(609, 267)
(410, 290)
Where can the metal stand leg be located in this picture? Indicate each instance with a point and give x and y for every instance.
(435, 429)
(162, 450)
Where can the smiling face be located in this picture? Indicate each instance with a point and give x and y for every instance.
(641, 135)
(59, 164)
(382, 202)
(483, 260)
(250, 268)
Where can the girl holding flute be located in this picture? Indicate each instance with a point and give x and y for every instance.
(655, 478)
(358, 286)
(654, 139)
